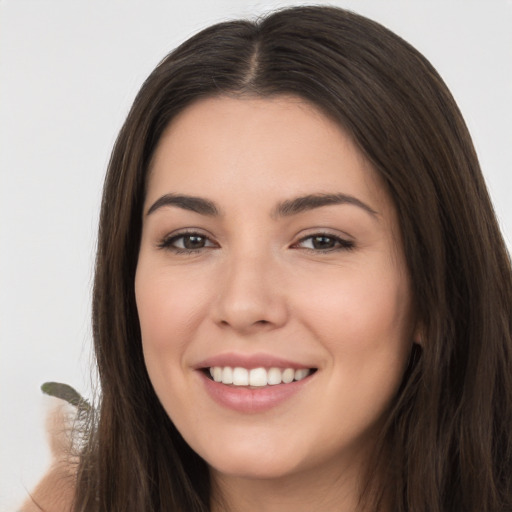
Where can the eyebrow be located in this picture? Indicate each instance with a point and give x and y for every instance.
(312, 201)
(286, 208)
(191, 203)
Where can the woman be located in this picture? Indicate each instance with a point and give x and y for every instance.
(302, 298)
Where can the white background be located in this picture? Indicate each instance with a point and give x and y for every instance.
(68, 73)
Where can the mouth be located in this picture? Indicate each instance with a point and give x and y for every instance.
(256, 377)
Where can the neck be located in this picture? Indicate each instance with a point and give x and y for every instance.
(318, 489)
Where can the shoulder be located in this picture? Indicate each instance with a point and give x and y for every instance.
(55, 491)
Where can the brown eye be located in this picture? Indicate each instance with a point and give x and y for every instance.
(325, 243)
(193, 241)
(186, 242)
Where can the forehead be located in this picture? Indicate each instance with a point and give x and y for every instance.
(269, 146)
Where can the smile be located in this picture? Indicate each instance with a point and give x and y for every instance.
(257, 377)
(247, 398)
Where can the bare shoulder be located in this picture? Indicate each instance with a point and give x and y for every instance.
(55, 491)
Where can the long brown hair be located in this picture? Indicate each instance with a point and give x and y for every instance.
(448, 436)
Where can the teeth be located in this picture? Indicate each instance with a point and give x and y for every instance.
(288, 375)
(257, 377)
(240, 377)
(217, 374)
(301, 374)
(227, 375)
(274, 376)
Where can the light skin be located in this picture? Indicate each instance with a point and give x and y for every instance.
(293, 252)
(54, 493)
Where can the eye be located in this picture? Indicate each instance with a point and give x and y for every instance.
(323, 242)
(186, 242)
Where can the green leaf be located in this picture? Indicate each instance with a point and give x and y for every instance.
(67, 393)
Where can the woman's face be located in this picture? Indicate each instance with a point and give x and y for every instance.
(270, 251)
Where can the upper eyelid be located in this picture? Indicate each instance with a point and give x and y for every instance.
(326, 232)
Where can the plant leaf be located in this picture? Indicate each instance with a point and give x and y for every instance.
(67, 393)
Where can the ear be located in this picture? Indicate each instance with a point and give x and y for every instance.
(418, 336)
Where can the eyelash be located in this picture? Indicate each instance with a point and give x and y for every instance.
(341, 244)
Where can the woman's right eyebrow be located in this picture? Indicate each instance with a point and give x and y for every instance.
(191, 203)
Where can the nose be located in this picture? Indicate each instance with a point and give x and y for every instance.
(251, 296)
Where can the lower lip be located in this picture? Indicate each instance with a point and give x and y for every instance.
(252, 400)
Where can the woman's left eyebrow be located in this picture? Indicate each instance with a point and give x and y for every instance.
(312, 201)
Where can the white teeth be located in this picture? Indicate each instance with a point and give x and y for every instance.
(274, 376)
(257, 377)
(288, 375)
(240, 377)
(301, 374)
(227, 375)
(217, 374)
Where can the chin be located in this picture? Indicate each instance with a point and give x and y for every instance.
(252, 463)
(256, 470)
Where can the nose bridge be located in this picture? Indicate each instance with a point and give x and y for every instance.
(250, 296)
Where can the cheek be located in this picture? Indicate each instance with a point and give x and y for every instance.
(364, 325)
(364, 322)
(169, 309)
(169, 305)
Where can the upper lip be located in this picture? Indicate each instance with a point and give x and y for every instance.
(250, 361)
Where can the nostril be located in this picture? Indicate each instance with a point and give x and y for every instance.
(226, 323)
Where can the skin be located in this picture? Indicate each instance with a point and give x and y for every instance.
(55, 491)
(258, 284)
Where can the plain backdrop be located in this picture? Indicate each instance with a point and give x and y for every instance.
(69, 71)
